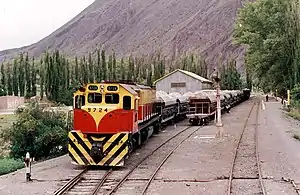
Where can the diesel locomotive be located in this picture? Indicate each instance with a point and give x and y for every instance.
(111, 119)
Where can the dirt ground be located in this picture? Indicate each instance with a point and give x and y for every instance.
(279, 151)
(201, 165)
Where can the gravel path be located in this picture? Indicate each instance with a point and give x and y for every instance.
(202, 163)
(279, 151)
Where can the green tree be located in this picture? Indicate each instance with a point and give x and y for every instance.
(270, 28)
(98, 72)
(104, 68)
(91, 69)
(114, 66)
(77, 77)
(110, 67)
(15, 78)
(9, 81)
(42, 78)
(21, 76)
(3, 86)
(33, 78)
(27, 76)
(122, 69)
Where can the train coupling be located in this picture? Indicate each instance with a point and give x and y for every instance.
(97, 150)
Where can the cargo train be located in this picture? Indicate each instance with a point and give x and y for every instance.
(111, 119)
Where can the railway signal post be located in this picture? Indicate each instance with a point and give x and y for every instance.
(217, 79)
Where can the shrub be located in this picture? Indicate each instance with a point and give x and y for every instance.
(42, 134)
(8, 165)
(295, 96)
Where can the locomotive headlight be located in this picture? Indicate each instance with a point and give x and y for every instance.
(102, 86)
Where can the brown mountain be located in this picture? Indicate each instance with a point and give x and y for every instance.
(134, 26)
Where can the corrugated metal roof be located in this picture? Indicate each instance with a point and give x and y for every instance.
(191, 74)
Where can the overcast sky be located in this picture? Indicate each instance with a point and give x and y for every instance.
(23, 22)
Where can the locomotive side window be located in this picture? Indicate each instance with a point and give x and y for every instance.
(95, 98)
(127, 103)
(79, 101)
(112, 98)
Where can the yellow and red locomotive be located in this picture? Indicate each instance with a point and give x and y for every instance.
(110, 119)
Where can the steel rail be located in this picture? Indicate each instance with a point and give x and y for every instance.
(164, 160)
(71, 183)
(257, 154)
(236, 149)
(100, 184)
(142, 160)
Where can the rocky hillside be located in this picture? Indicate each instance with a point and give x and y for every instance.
(134, 26)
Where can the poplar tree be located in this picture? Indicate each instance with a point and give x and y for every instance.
(33, 78)
(9, 81)
(110, 67)
(114, 67)
(68, 74)
(77, 77)
(122, 69)
(42, 78)
(27, 76)
(103, 62)
(15, 78)
(3, 81)
(91, 71)
(21, 76)
(98, 72)
(130, 68)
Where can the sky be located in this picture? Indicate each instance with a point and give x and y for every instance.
(23, 22)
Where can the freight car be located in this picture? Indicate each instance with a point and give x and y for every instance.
(111, 119)
(203, 104)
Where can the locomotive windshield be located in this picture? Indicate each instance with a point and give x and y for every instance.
(112, 98)
(95, 98)
(79, 101)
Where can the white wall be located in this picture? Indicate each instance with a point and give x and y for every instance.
(192, 84)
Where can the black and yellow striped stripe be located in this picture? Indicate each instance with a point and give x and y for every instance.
(114, 146)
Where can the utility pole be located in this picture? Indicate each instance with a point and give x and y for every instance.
(217, 80)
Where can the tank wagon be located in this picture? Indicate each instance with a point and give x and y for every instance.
(111, 119)
(203, 104)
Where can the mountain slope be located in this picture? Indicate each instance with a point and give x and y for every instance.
(134, 26)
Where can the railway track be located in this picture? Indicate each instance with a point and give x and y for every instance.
(90, 181)
(246, 164)
(87, 182)
(119, 184)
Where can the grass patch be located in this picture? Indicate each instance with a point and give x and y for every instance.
(295, 113)
(6, 121)
(8, 165)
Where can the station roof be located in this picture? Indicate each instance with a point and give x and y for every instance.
(191, 74)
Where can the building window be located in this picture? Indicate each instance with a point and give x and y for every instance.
(174, 85)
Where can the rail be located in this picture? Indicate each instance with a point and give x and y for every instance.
(116, 187)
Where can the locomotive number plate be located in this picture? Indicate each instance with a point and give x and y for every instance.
(97, 110)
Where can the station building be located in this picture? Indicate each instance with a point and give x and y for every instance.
(182, 81)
